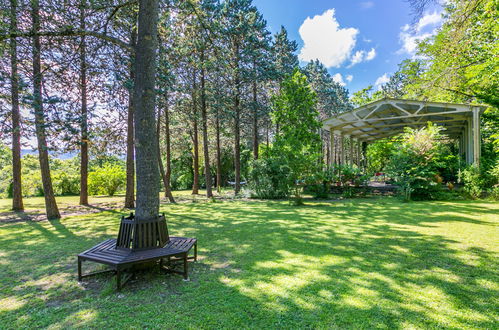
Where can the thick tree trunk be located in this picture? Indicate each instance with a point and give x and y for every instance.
(166, 182)
(84, 114)
(168, 173)
(17, 201)
(144, 114)
(207, 171)
(255, 121)
(130, 152)
(195, 139)
(50, 203)
(219, 153)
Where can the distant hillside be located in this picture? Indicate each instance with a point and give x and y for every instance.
(66, 155)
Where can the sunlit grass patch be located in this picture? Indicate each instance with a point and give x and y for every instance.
(357, 263)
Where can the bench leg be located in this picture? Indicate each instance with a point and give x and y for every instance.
(79, 270)
(196, 252)
(186, 270)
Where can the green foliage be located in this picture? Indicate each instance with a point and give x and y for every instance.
(473, 181)
(365, 96)
(270, 178)
(297, 142)
(106, 180)
(378, 154)
(414, 164)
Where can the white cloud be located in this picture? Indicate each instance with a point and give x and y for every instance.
(362, 56)
(339, 79)
(426, 27)
(381, 81)
(371, 54)
(429, 20)
(366, 4)
(349, 78)
(325, 40)
(357, 57)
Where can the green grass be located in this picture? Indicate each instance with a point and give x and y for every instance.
(370, 263)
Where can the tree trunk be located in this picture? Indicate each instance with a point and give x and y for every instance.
(166, 182)
(84, 114)
(237, 123)
(168, 173)
(195, 139)
(237, 140)
(17, 201)
(130, 154)
(144, 114)
(50, 203)
(207, 171)
(219, 156)
(255, 121)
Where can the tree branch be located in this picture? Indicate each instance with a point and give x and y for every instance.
(67, 33)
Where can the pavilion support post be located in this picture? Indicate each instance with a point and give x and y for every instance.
(332, 154)
(351, 151)
(476, 136)
(469, 142)
(348, 150)
(341, 153)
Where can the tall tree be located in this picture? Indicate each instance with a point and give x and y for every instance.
(84, 112)
(130, 148)
(195, 137)
(144, 119)
(17, 201)
(204, 115)
(48, 191)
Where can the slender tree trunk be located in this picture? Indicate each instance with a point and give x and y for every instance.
(84, 113)
(207, 170)
(130, 152)
(237, 132)
(50, 203)
(168, 173)
(195, 139)
(144, 115)
(219, 156)
(166, 182)
(255, 121)
(17, 201)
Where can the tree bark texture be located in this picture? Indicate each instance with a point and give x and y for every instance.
(144, 112)
(50, 203)
(207, 171)
(84, 114)
(17, 200)
(130, 148)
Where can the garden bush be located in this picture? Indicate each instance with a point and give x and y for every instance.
(106, 180)
(270, 178)
(415, 162)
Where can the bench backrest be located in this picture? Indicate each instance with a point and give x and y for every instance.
(142, 235)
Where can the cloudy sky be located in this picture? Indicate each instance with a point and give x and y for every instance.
(361, 42)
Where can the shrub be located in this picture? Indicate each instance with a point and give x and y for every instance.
(66, 183)
(270, 178)
(106, 180)
(414, 164)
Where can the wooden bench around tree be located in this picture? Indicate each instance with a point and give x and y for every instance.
(140, 242)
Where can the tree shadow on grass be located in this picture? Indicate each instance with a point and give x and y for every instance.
(354, 264)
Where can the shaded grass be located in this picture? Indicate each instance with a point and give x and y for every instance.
(356, 263)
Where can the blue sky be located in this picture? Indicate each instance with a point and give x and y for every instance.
(360, 41)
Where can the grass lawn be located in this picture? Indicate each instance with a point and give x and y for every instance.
(365, 263)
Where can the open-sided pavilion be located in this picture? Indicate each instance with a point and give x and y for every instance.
(351, 131)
